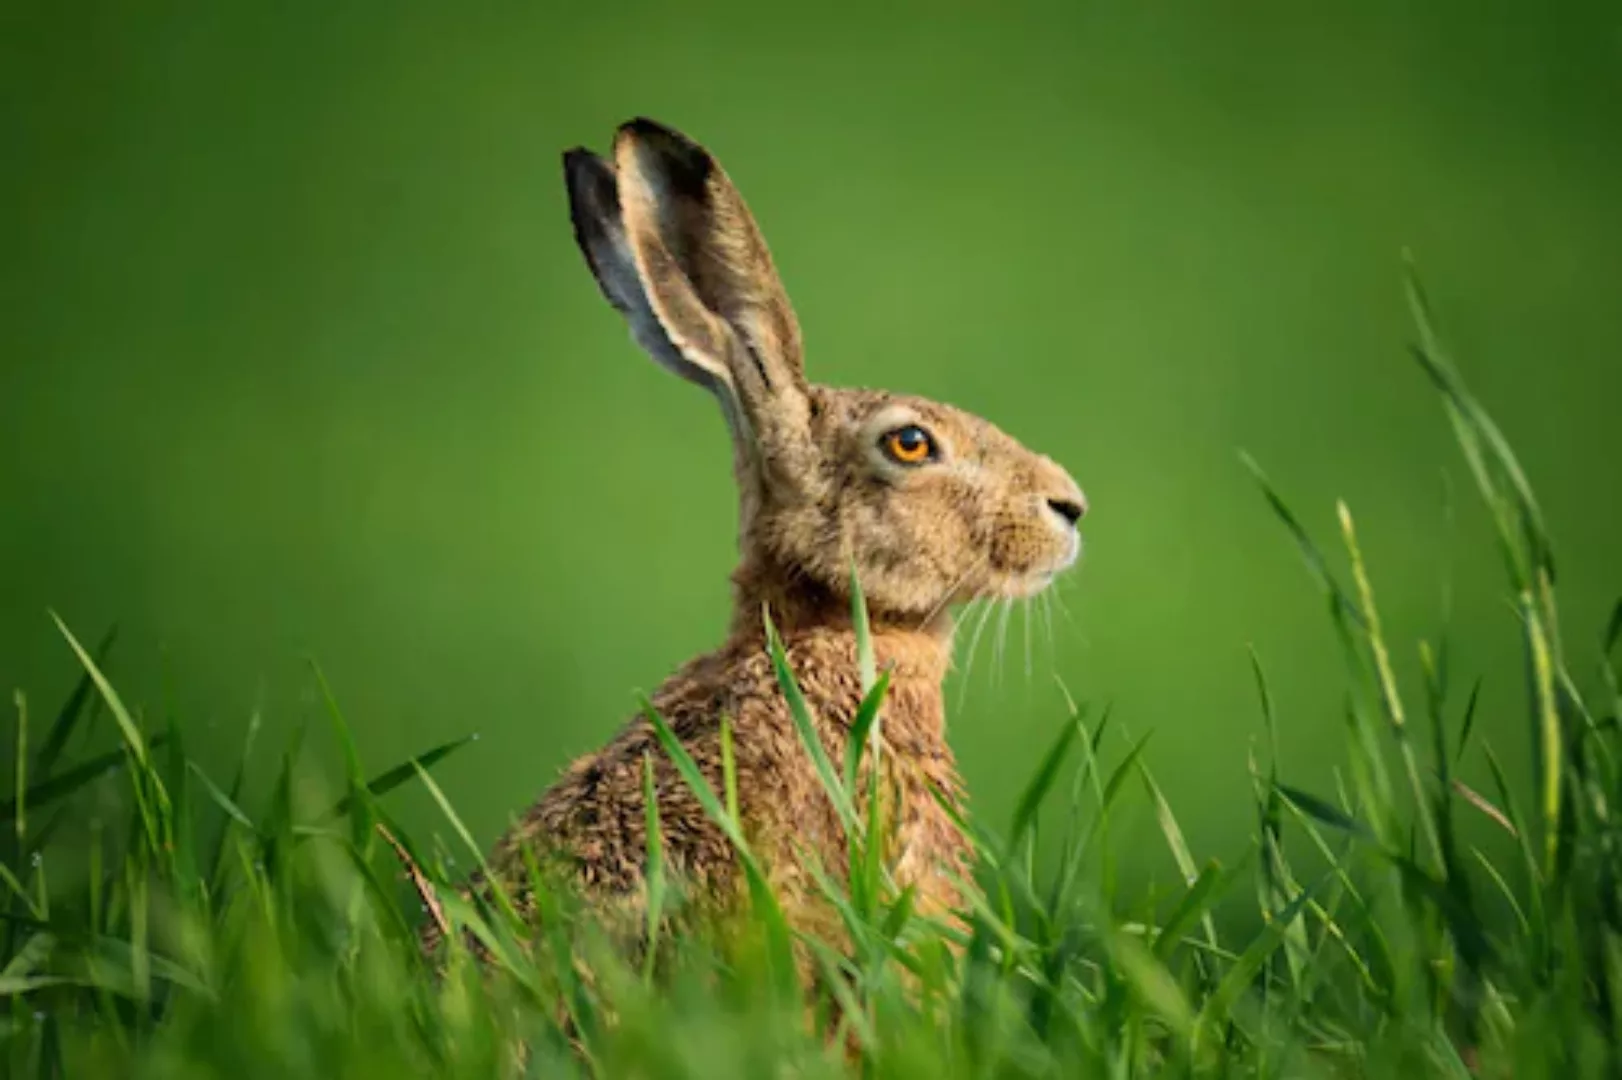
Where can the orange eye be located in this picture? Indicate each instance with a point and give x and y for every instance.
(910, 445)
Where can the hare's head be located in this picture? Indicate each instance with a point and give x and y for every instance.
(933, 504)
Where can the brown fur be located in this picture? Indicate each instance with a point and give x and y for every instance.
(676, 251)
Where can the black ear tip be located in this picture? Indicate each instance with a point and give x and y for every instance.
(579, 163)
(594, 214)
(644, 128)
(683, 162)
(575, 163)
(589, 178)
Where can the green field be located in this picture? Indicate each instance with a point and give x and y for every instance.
(1388, 943)
(299, 361)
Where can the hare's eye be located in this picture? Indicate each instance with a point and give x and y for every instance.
(910, 445)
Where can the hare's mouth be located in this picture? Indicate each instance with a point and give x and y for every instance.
(1043, 577)
(1031, 572)
(1032, 582)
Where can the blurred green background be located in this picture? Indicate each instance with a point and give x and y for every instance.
(299, 356)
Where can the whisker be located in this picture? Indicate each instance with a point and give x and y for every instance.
(946, 597)
(1047, 618)
(996, 641)
(970, 610)
(1058, 599)
(1027, 606)
(1002, 638)
(985, 623)
(958, 623)
(986, 606)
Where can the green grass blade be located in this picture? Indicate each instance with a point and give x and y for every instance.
(13, 985)
(17, 889)
(864, 729)
(1152, 984)
(183, 839)
(655, 871)
(1310, 553)
(689, 771)
(1518, 515)
(126, 723)
(800, 711)
(1181, 855)
(729, 770)
(1118, 776)
(221, 799)
(1326, 813)
(1468, 724)
(900, 913)
(553, 921)
(218, 861)
(19, 803)
(1209, 886)
(1030, 800)
(1106, 794)
(497, 887)
(387, 781)
(1468, 933)
(1218, 1008)
(383, 901)
(1504, 890)
(1536, 884)
(1386, 682)
(767, 909)
(1551, 738)
(69, 717)
(276, 829)
(866, 665)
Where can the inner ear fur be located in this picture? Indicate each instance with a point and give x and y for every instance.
(711, 284)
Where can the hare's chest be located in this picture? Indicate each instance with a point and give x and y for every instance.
(928, 849)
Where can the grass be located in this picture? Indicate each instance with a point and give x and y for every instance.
(281, 942)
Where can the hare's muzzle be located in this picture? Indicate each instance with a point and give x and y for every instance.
(1060, 494)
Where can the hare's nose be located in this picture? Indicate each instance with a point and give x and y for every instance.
(1069, 509)
(1060, 492)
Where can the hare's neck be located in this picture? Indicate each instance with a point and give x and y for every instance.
(916, 652)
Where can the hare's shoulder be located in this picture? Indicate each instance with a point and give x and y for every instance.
(595, 813)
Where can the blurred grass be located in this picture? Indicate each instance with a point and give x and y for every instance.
(1390, 942)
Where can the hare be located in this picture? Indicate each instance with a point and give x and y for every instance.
(933, 506)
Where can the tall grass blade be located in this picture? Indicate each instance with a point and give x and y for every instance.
(19, 803)
(72, 713)
(1181, 855)
(765, 903)
(864, 731)
(126, 723)
(65, 784)
(800, 713)
(1218, 1008)
(655, 866)
(1208, 888)
(387, 781)
(1036, 790)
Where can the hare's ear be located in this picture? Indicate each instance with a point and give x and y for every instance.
(600, 232)
(709, 281)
